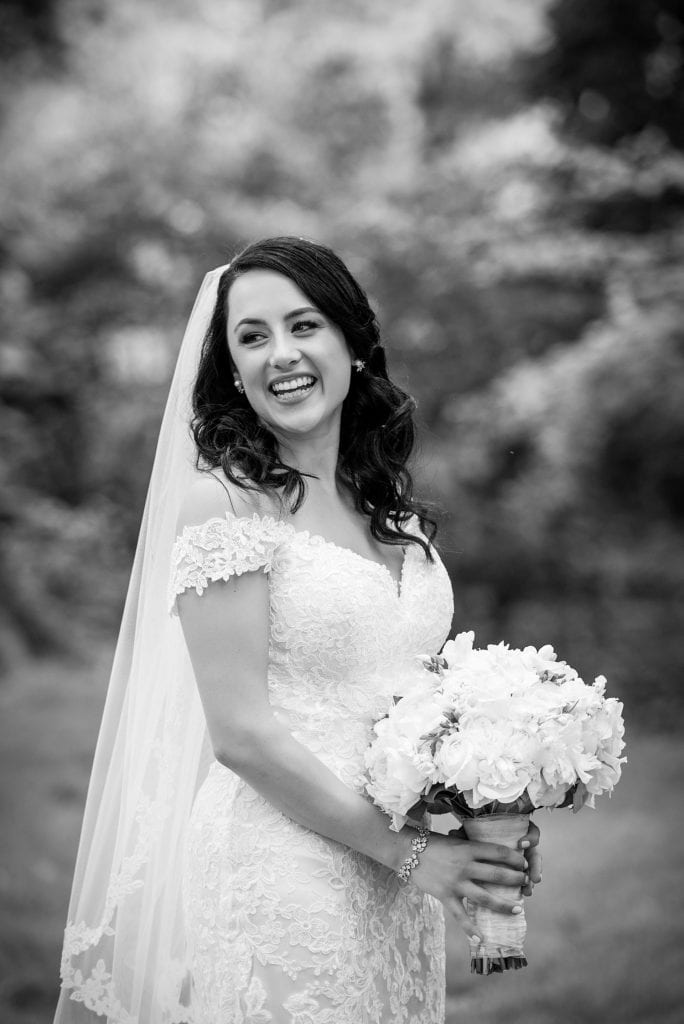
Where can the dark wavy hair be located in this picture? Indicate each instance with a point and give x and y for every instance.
(377, 431)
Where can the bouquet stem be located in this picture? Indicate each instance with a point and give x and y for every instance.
(503, 935)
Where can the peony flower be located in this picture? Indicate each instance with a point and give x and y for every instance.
(485, 762)
(395, 784)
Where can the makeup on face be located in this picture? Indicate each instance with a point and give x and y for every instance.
(293, 361)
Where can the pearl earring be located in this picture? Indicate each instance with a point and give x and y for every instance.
(358, 364)
(239, 385)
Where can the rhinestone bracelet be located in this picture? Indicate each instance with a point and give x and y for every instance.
(418, 844)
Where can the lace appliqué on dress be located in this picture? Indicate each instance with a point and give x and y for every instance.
(221, 548)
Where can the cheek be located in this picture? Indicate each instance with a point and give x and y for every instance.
(338, 378)
(242, 365)
(341, 363)
(232, 362)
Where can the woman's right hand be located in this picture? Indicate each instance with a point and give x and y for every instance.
(453, 869)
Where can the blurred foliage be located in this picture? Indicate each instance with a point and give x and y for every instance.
(616, 67)
(28, 32)
(525, 254)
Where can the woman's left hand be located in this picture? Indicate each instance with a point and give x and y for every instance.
(529, 845)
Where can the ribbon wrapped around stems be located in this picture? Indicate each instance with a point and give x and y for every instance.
(503, 935)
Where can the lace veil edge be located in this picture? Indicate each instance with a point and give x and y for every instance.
(124, 954)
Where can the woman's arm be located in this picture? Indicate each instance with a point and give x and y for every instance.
(227, 634)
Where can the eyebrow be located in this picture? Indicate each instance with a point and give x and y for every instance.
(288, 316)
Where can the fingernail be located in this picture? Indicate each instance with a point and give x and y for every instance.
(539, 879)
(526, 879)
(516, 910)
(524, 845)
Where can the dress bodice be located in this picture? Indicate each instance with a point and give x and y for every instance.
(344, 635)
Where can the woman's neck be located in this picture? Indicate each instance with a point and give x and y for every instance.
(316, 457)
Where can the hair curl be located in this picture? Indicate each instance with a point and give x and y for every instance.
(377, 432)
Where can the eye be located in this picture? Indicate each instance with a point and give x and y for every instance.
(250, 337)
(305, 325)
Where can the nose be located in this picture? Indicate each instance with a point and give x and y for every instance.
(284, 353)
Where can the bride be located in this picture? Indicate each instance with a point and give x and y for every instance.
(231, 869)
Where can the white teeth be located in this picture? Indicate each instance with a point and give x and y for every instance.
(283, 386)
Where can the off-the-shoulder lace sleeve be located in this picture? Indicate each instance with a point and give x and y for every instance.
(221, 548)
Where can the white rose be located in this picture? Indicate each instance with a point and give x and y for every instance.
(455, 761)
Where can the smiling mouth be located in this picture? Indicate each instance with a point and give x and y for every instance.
(296, 387)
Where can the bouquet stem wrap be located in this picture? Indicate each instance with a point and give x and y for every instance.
(503, 934)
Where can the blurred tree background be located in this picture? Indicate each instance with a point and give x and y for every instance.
(507, 181)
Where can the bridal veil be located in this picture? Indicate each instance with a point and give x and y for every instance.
(124, 944)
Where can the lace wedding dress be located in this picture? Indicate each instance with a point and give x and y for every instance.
(285, 925)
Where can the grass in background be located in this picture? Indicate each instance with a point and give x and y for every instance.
(604, 928)
(49, 717)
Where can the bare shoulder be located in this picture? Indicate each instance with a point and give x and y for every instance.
(213, 496)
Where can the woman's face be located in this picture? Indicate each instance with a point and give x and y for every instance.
(295, 364)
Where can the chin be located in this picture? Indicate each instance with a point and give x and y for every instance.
(301, 422)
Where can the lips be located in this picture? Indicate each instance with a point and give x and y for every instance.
(299, 384)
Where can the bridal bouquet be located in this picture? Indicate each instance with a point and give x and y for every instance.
(490, 735)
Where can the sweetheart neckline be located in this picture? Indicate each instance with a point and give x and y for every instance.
(397, 583)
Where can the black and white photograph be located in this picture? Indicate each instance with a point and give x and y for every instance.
(342, 511)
